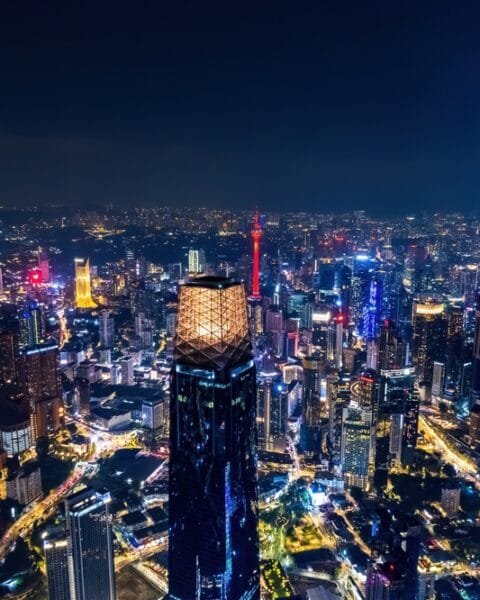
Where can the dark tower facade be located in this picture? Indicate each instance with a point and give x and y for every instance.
(213, 544)
(91, 566)
(476, 353)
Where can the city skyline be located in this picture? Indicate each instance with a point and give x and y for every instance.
(239, 300)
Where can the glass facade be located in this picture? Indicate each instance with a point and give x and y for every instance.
(213, 544)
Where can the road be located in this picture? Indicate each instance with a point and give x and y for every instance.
(41, 510)
(463, 462)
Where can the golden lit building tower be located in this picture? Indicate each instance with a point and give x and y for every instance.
(83, 295)
(213, 543)
(429, 337)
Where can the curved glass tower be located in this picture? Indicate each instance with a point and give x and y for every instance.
(213, 544)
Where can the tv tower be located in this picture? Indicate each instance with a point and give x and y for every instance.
(257, 234)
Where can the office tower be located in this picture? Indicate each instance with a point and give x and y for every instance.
(40, 382)
(83, 293)
(360, 291)
(127, 373)
(338, 354)
(322, 338)
(55, 549)
(91, 567)
(451, 498)
(384, 430)
(396, 436)
(438, 380)
(385, 581)
(476, 353)
(338, 396)
(213, 547)
(368, 398)
(314, 406)
(43, 265)
(154, 417)
(31, 325)
(8, 356)
(360, 418)
(392, 351)
(106, 329)
(196, 262)
(372, 309)
(429, 337)
(355, 447)
(257, 235)
(15, 425)
(411, 409)
(264, 406)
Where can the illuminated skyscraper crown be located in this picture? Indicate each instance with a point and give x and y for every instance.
(212, 327)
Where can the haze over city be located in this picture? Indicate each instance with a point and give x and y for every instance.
(239, 301)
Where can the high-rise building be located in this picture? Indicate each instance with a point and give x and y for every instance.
(43, 265)
(91, 567)
(8, 356)
(314, 406)
(429, 337)
(55, 549)
(196, 262)
(391, 348)
(257, 235)
(411, 409)
(24, 484)
(127, 373)
(15, 423)
(338, 395)
(355, 449)
(359, 432)
(451, 498)
(106, 329)
(264, 407)
(31, 325)
(213, 544)
(476, 353)
(40, 382)
(83, 293)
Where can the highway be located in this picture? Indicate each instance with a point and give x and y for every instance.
(41, 510)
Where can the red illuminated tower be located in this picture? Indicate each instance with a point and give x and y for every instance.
(257, 234)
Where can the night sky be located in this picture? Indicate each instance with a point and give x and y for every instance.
(314, 105)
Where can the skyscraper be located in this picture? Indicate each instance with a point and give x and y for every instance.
(91, 568)
(314, 406)
(8, 356)
(359, 432)
(429, 337)
(196, 261)
(392, 349)
(39, 379)
(55, 548)
(44, 265)
(106, 329)
(257, 235)
(31, 325)
(213, 546)
(476, 353)
(83, 294)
